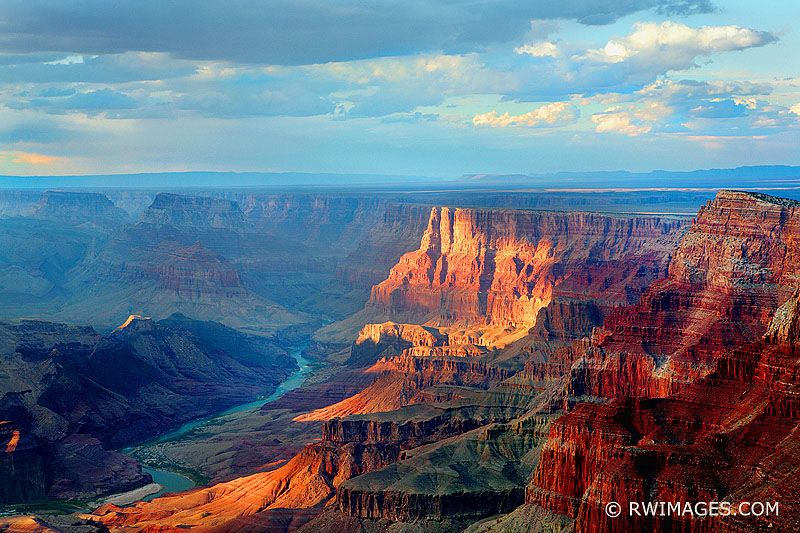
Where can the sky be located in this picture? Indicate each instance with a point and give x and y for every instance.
(421, 87)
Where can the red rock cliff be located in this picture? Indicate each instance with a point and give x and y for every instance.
(703, 378)
(499, 268)
(737, 263)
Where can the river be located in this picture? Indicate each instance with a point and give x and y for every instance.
(171, 481)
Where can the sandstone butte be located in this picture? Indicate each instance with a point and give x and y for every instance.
(604, 384)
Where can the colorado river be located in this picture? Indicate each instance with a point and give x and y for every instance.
(172, 481)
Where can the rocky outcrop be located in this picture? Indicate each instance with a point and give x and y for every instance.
(79, 208)
(19, 202)
(308, 480)
(25, 524)
(22, 465)
(688, 393)
(469, 476)
(733, 269)
(403, 380)
(388, 339)
(196, 274)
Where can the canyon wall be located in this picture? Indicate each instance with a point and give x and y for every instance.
(735, 266)
(701, 380)
(495, 270)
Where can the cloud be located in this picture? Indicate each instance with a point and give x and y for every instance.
(675, 46)
(795, 109)
(548, 115)
(29, 158)
(623, 64)
(540, 49)
(110, 68)
(614, 120)
(292, 32)
(632, 119)
(89, 102)
(693, 108)
(69, 60)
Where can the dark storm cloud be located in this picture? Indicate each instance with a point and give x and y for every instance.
(292, 32)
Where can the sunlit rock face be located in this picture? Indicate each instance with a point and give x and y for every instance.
(689, 390)
(253, 503)
(731, 271)
(493, 271)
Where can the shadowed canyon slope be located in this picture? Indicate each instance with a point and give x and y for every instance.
(257, 261)
(70, 395)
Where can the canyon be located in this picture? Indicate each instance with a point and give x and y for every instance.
(476, 368)
(71, 396)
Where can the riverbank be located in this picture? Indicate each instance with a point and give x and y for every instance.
(174, 476)
(132, 496)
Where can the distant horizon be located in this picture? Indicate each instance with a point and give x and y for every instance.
(762, 178)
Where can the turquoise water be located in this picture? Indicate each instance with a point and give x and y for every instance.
(169, 481)
(175, 482)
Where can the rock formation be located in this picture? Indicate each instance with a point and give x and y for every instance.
(702, 377)
(493, 271)
(79, 208)
(618, 388)
(182, 211)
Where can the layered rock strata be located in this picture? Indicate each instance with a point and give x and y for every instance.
(495, 270)
(700, 383)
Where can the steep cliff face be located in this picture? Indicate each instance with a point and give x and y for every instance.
(22, 464)
(341, 244)
(194, 211)
(495, 270)
(18, 203)
(388, 339)
(181, 258)
(472, 475)
(195, 273)
(406, 379)
(735, 266)
(703, 380)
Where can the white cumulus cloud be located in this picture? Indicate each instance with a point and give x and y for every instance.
(553, 114)
(540, 49)
(671, 45)
(631, 120)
